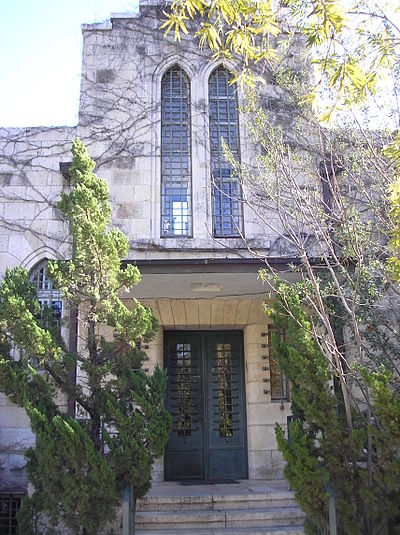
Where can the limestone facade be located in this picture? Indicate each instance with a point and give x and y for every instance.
(191, 282)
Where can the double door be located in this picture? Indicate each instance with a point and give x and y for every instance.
(206, 398)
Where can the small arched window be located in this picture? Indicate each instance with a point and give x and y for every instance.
(224, 125)
(48, 296)
(176, 187)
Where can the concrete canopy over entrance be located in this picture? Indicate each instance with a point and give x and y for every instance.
(207, 277)
(202, 296)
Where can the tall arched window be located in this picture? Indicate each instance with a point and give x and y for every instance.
(47, 295)
(176, 194)
(224, 124)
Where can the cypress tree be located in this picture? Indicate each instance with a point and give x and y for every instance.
(320, 450)
(79, 467)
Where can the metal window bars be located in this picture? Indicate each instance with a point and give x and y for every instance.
(48, 296)
(184, 388)
(176, 194)
(278, 383)
(225, 395)
(9, 506)
(224, 125)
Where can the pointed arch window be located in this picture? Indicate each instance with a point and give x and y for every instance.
(48, 296)
(176, 187)
(224, 125)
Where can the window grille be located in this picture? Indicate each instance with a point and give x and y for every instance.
(278, 383)
(184, 388)
(9, 506)
(47, 295)
(224, 125)
(176, 195)
(225, 394)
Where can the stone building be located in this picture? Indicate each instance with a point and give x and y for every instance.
(152, 114)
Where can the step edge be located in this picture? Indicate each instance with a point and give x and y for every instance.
(251, 496)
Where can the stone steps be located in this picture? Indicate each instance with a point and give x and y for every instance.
(288, 530)
(253, 517)
(246, 509)
(216, 501)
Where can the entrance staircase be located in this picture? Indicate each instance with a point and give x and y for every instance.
(248, 507)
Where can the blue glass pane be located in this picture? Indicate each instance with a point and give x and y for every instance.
(223, 118)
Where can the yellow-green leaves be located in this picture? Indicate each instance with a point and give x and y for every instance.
(355, 74)
(265, 18)
(226, 11)
(330, 17)
(393, 152)
(348, 45)
(352, 72)
(177, 21)
(194, 6)
(246, 79)
(337, 74)
(209, 35)
(228, 27)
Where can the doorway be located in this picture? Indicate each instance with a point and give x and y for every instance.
(206, 398)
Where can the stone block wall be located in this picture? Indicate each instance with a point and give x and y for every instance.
(120, 119)
(31, 228)
(15, 438)
(265, 462)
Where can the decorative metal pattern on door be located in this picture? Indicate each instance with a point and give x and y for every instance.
(206, 399)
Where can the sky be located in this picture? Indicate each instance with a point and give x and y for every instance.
(40, 57)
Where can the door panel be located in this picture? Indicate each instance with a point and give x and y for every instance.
(227, 453)
(185, 451)
(205, 397)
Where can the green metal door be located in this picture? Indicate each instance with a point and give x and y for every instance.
(206, 399)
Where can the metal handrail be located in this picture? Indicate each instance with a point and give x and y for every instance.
(128, 510)
(331, 510)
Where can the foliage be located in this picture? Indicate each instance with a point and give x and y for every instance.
(350, 44)
(385, 436)
(332, 220)
(321, 449)
(323, 195)
(79, 467)
(318, 450)
(393, 152)
(341, 318)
